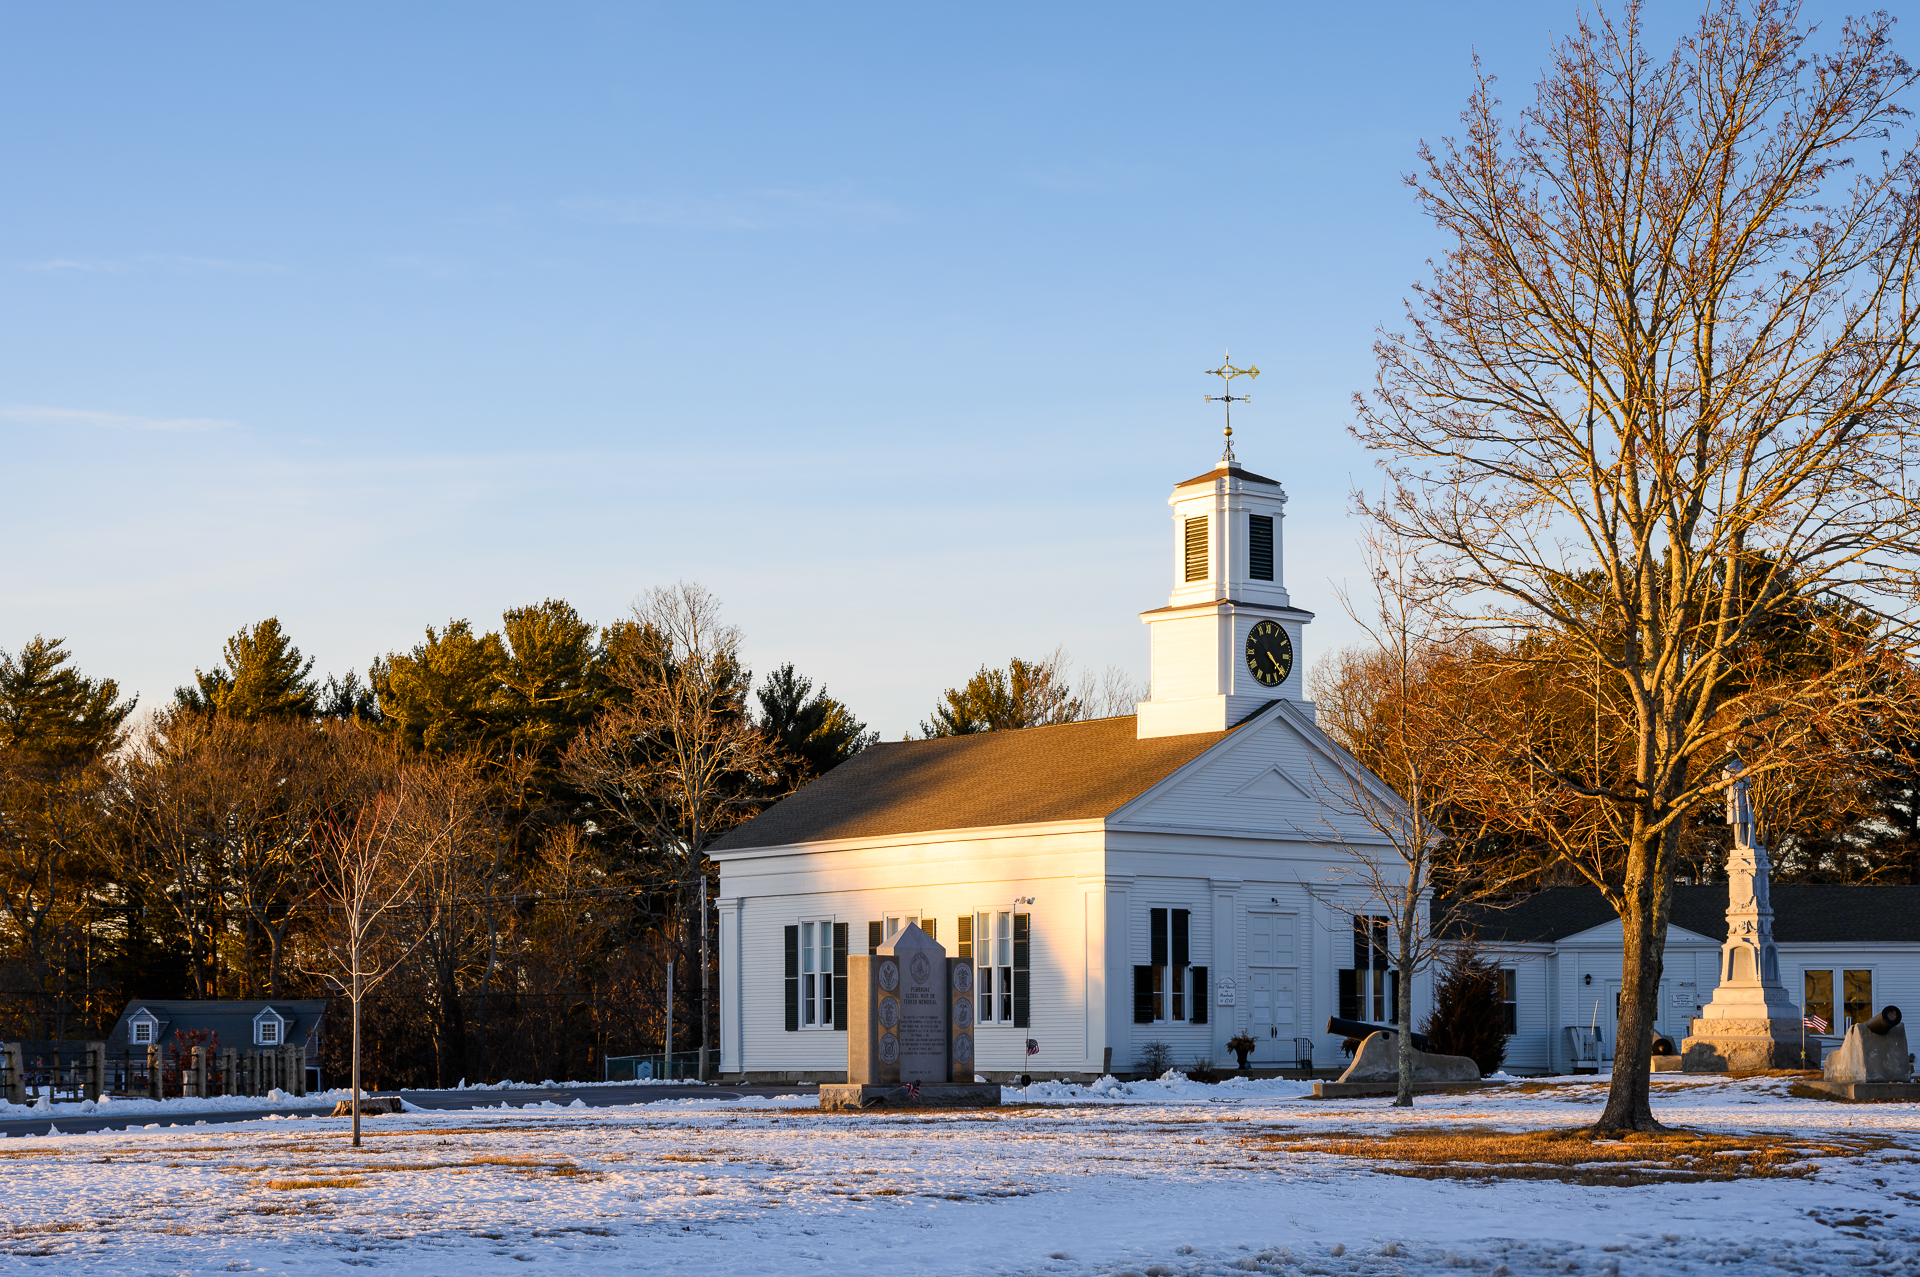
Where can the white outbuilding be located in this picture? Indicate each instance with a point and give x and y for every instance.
(1172, 876)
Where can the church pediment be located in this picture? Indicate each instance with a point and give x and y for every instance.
(1276, 775)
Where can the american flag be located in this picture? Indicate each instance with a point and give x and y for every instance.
(913, 1089)
(1815, 1023)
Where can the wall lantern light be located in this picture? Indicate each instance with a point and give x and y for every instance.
(1588, 978)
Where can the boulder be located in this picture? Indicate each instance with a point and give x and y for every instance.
(1867, 1056)
(370, 1106)
(1378, 1060)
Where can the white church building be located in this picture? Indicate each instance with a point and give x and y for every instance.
(1172, 876)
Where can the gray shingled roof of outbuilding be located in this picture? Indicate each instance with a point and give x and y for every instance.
(233, 1021)
(1803, 913)
(1072, 771)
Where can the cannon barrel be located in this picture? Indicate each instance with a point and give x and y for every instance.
(1887, 1019)
(1361, 1029)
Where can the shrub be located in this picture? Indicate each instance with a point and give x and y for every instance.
(1202, 1070)
(1155, 1058)
(1467, 1018)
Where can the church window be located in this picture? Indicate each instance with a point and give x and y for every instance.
(1001, 947)
(1260, 547)
(1510, 999)
(1168, 987)
(1370, 989)
(1858, 986)
(817, 975)
(1819, 996)
(1196, 530)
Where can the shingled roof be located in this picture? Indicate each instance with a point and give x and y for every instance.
(1073, 771)
(1803, 913)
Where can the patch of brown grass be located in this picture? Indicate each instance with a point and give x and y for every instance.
(1576, 1156)
(345, 1181)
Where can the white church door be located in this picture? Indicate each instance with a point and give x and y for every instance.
(1273, 987)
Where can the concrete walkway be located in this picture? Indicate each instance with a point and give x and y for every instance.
(517, 1097)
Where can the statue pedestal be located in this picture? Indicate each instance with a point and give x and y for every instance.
(1743, 1046)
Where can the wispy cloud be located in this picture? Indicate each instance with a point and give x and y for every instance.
(173, 262)
(755, 210)
(433, 267)
(32, 415)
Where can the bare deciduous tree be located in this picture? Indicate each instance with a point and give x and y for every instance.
(366, 869)
(1673, 339)
(677, 756)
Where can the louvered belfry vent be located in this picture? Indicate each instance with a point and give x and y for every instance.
(1197, 549)
(1260, 547)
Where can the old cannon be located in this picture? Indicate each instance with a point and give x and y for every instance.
(1360, 1029)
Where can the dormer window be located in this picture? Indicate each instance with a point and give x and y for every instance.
(269, 1028)
(142, 1029)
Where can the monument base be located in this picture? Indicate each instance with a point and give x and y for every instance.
(1868, 1090)
(1745, 1046)
(1356, 1090)
(1669, 1064)
(933, 1095)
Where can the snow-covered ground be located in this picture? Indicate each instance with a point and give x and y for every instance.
(1163, 1178)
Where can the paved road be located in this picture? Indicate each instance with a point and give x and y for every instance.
(518, 1097)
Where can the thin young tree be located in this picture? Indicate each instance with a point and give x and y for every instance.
(676, 755)
(1405, 861)
(366, 869)
(1673, 339)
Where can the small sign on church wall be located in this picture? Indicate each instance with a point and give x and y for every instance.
(1226, 993)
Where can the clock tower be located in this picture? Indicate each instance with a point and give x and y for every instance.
(1229, 639)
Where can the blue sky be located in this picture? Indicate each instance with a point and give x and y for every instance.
(886, 323)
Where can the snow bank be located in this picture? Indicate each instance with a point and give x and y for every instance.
(1170, 1087)
(119, 1106)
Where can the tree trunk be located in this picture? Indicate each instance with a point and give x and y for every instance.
(1403, 1098)
(706, 1008)
(1643, 933)
(355, 951)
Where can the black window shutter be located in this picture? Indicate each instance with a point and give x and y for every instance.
(1393, 997)
(1181, 918)
(1143, 995)
(1198, 1015)
(1157, 929)
(931, 926)
(1260, 547)
(1382, 948)
(793, 979)
(839, 975)
(1362, 951)
(963, 939)
(1349, 995)
(1022, 955)
(873, 938)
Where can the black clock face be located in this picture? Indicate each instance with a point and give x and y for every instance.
(1269, 653)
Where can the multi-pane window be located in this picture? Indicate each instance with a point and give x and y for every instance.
(1167, 986)
(143, 1032)
(1858, 989)
(1370, 989)
(1818, 998)
(1260, 547)
(1510, 999)
(993, 950)
(1196, 548)
(999, 944)
(269, 1032)
(816, 975)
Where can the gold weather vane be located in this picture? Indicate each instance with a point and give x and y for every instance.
(1227, 372)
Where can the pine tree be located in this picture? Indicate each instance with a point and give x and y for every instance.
(50, 715)
(1468, 1017)
(264, 677)
(1025, 694)
(816, 732)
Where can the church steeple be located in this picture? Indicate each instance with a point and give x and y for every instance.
(1229, 639)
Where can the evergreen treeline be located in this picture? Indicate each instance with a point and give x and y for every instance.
(586, 768)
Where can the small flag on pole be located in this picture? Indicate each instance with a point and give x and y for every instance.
(913, 1089)
(1815, 1023)
(1033, 1047)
